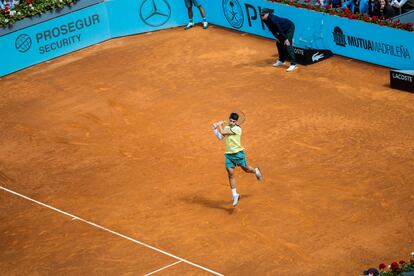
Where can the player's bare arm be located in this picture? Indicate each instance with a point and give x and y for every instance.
(224, 131)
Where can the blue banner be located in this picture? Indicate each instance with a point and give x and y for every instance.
(363, 41)
(369, 42)
(245, 16)
(356, 39)
(53, 38)
(132, 17)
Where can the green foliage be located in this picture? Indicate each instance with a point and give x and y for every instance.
(30, 8)
(348, 14)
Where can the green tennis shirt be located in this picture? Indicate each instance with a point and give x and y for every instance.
(233, 144)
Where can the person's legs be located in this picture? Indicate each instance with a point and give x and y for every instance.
(203, 14)
(289, 49)
(352, 5)
(190, 13)
(231, 162)
(190, 19)
(242, 162)
(232, 182)
(363, 6)
(256, 171)
(281, 59)
(282, 55)
(248, 169)
(190, 24)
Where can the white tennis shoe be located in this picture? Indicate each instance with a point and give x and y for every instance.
(292, 68)
(205, 25)
(189, 25)
(236, 199)
(258, 173)
(278, 63)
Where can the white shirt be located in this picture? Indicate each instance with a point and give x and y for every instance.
(398, 4)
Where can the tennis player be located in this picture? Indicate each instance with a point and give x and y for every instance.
(234, 153)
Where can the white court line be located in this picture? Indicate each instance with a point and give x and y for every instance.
(112, 232)
(162, 268)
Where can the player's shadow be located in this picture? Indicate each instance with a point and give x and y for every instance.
(258, 63)
(215, 204)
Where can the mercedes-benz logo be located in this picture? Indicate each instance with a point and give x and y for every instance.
(23, 43)
(233, 13)
(155, 12)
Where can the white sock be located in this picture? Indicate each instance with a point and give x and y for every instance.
(234, 192)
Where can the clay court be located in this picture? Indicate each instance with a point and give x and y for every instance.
(119, 135)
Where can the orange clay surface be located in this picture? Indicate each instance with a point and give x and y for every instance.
(119, 134)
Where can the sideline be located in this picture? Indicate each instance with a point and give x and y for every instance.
(112, 232)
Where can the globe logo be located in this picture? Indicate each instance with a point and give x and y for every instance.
(23, 43)
(155, 13)
(339, 37)
(233, 13)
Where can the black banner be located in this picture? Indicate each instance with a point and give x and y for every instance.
(402, 79)
(310, 56)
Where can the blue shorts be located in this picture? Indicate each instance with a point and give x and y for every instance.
(189, 2)
(235, 159)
